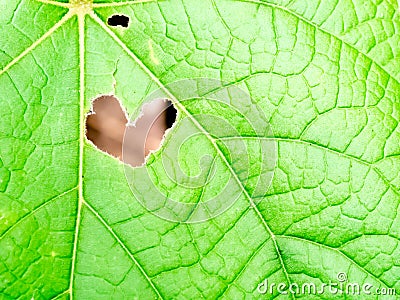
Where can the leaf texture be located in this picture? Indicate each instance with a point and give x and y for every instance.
(325, 75)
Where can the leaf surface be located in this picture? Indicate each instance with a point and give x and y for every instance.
(324, 76)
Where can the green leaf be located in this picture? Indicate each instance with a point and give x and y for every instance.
(322, 76)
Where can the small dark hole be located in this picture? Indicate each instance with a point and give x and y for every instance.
(118, 20)
(170, 114)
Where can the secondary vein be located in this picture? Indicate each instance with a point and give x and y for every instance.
(37, 42)
(119, 241)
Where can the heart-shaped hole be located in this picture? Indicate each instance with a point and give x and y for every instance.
(107, 121)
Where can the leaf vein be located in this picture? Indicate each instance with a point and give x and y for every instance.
(64, 19)
(125, 248)
(304, 240)
(325, 148)
(287, 10)
(32, 212)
